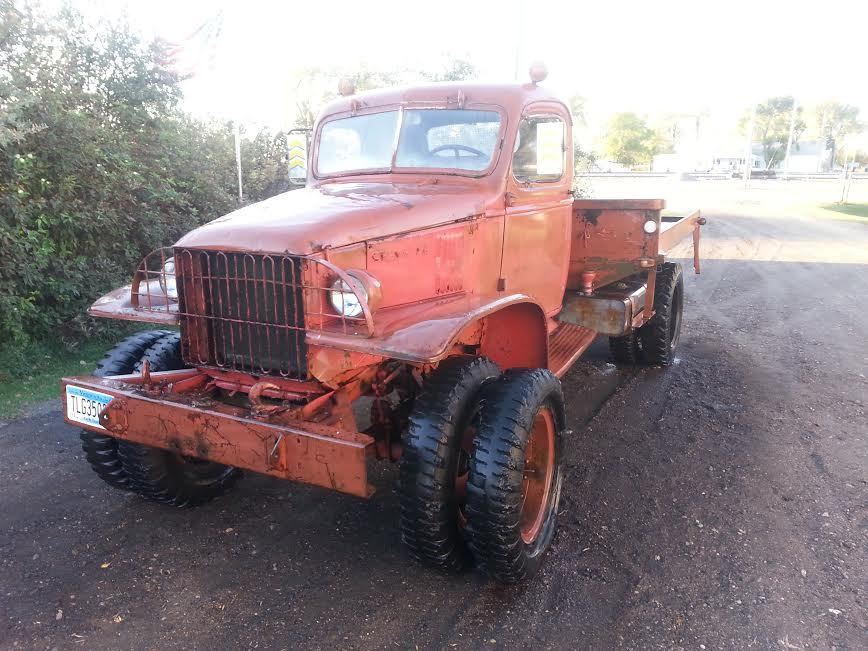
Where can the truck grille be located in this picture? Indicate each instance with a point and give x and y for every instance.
(242, 312)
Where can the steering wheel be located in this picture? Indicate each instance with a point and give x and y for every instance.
(458, 148)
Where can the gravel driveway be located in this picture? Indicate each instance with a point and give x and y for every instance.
(720, 503)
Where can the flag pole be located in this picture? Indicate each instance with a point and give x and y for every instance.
(518, 39)
(238, 159)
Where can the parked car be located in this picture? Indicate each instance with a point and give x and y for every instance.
(755, 174)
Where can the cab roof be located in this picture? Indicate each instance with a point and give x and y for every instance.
(512, 97)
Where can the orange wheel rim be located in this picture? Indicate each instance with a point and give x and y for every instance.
(539, 466)
(462, 471)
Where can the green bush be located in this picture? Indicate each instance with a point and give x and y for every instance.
(98, 167)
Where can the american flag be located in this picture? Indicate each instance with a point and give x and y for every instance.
(195, 53)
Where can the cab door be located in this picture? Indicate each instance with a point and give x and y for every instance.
(536, 242)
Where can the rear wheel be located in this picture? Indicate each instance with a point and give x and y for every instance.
(435, 462)
(626, 349)
(102, 451)
(660, 336)
(515, 474)
(167, 477)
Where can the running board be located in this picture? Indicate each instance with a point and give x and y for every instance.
(566, 343)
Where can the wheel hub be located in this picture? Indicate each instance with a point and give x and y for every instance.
(538, 476)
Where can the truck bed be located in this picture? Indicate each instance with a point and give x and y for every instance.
(610, 241)
(617, 246)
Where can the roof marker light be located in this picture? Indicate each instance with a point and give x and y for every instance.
(538, 72)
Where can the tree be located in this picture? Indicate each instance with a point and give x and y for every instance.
(456, 69)
(265, 163)
(835, 122)
(772, 127)
(577, 103)
(629, 140)
(98, 166)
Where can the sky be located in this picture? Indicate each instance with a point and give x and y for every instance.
(661, 56)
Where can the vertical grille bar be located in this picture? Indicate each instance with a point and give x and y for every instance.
(244, 312)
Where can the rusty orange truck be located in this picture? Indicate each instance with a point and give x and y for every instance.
(416, 302)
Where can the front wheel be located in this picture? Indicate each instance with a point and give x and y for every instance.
(436, 459)
(515, 474)
(167, 477)
(100, 450)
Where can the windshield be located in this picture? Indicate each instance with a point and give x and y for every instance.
(450, 139)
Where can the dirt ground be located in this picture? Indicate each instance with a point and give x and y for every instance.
(720, 503)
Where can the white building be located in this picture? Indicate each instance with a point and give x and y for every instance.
(727, 161)
(722, 161)
(809, 157)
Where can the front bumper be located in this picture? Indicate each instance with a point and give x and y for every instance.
(333, 456)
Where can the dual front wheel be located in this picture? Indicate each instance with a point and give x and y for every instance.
(155, 474)
(481, 472)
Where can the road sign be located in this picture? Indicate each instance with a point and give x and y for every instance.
(296, 142)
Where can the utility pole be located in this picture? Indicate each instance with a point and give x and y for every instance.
(748, 156)
(790, 140)
(238, 159)
(848, 174)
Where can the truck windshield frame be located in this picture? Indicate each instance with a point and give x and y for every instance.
(441, 140)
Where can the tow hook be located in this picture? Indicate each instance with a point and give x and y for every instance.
(114, 416)
(259, 409)
(146, 374)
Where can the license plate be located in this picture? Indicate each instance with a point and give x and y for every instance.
(84, 405)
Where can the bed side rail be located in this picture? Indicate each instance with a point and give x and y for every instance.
(674, 229)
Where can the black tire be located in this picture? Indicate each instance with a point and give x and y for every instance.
(122, 359)
(167, 477)
(101, 451)
(433, 460)
(508, 539)
(661, 334)
(163, 355)
(627, 349)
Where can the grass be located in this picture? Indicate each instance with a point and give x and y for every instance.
(850, 211)
(41, 380)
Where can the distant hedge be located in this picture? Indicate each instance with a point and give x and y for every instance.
(98, 166)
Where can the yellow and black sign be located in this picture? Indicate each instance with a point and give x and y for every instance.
(296, 142)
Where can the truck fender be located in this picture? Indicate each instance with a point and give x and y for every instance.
(516, 337)
(509, 329)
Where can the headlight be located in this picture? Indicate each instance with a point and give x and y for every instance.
(167, 278)
(344, 300)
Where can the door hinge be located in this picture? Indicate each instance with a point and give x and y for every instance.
(501, 284)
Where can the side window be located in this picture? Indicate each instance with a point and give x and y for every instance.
(539, 149)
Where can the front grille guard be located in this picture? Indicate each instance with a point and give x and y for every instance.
(250, 323)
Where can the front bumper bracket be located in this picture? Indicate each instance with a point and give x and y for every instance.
(312, 453)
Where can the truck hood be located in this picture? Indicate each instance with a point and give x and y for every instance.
(307, 220)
